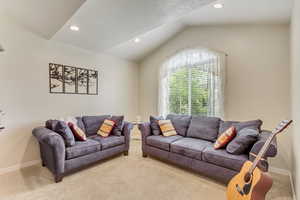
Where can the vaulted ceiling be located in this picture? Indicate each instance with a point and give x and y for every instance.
(44, 17)
(233, 12)
(106, 23)
(111, 25)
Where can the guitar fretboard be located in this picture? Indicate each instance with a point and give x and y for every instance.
(262, 152)
(282, 125)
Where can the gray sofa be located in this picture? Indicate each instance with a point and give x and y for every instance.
(62, 160)
(190, 152)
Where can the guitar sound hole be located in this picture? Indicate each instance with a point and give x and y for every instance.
(247, 177)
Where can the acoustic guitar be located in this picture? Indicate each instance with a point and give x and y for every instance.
(251, 183)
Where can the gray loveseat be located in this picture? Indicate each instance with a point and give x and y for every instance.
(188, 149)
(61, 160)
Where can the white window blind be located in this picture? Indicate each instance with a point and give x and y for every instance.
(191, 82)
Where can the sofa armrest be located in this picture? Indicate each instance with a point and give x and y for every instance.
(52, 147)
(126, 132)
(271, 152)
(145, 131)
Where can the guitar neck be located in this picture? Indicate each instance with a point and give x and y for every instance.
(262, 152)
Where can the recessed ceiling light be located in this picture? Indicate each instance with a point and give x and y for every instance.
(218, 5)
(137, 40)
(74, 28)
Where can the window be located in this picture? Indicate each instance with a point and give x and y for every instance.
(191, 82)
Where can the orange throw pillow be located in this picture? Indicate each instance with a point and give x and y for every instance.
(77, 132)
(167, 128)
(225, 138)
(106, 128)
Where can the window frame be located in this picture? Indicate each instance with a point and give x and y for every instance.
(171, 65)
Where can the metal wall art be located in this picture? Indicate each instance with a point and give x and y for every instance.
(65, 79)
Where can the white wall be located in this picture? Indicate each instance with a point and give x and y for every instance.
(257, 74)
(295, 80)
(24, 89)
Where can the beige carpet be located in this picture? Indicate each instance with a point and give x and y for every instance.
(122, 178)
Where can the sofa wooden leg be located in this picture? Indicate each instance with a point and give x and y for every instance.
(58, 178)
(43, 164)
(125, 153)
(145, 155)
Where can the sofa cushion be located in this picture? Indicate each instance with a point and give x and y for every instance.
(80, 123)
(202, 127)
(110, 141)
(51, 124)
(254, 124)
(220, 157)
(119, 123)
(82, 148)
(77, 132)
(243, 141)
(154, 125)
(167, 128)
(190, 147)
(64, 130)
(162, 142)
(92, 123)
(106, 128)
(225, 138)
(180, 122)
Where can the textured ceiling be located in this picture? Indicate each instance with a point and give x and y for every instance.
(43, 17)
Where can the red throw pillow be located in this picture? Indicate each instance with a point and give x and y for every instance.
(225, 138)
(77, 132)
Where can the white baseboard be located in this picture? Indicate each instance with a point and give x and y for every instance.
(286, 173)
(19, 166)
(279, 171)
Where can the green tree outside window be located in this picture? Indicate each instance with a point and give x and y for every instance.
(188, 91)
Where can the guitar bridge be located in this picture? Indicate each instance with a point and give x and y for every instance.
(245, 190)
(239, 190)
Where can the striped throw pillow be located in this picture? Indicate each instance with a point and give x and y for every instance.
(167, 128)
(77, 132)
(106, 128)
(225, 138)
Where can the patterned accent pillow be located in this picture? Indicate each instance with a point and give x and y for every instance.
(106, 128)
(167, 128)
(78, 133)
(225, 138)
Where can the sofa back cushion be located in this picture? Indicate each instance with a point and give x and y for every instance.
(63, 130)
(51, 124)
(206, 128)
(119, 124)
(180, 122)
(80, 123)
(254, 124)
(154, 125)
(243, 141)
(92, 123)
